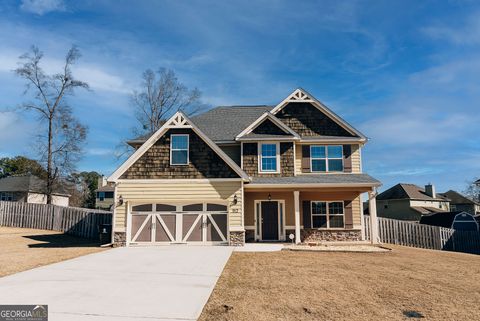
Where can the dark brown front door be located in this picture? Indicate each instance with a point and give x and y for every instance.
(270, 221)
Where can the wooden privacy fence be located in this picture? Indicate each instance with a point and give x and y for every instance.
(81, 222)
(425, 236)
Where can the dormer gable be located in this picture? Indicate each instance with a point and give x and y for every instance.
(267, 126)
(201, 157)
(308, 117)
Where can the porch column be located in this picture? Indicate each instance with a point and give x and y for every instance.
(372, 208)
(296, 201)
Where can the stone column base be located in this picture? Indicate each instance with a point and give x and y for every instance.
(315, 236)
(119, 239)
(237, 238)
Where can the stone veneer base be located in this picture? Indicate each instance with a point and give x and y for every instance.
(315, 236)
(119, 239)
(237, 238)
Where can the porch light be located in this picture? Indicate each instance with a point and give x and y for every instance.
(269, 196)
(120, 200)
(235, 200)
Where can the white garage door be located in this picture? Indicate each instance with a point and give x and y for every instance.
(192, 223)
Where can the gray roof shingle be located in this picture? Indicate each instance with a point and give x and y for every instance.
(27, 183)
(319, 179)
(226, 122)
(407, 191)
(222, 123)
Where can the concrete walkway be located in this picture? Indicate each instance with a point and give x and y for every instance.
(155, 283)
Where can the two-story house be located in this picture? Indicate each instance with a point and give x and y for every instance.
(245, 173)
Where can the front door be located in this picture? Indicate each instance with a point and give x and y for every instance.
(270, 221)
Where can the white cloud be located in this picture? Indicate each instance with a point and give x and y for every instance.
(466, 34)
(42, 7)
(16, 134)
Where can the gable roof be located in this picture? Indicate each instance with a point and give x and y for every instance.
(457, 198)
(27, 183)
(260, 120)
(226, 123)
(301, 95)
(407, 191)
(179, 120)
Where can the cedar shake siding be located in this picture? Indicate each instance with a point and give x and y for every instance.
(203, 161)
(250, 160)
(267, 127)
(308, 121)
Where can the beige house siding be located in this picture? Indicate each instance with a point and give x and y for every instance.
(155, 192)
(312, 195)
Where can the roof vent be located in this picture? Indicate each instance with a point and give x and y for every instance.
(430, 190)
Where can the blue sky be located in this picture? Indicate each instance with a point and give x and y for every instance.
(406, 73)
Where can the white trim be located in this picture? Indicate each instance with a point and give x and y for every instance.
(179, 120)
(327, 214)
(256, 139)
(179, 181)
(188, 149)
(281, 221)
(296, 203)
(272, 118)
(326, 158)
(277, 156)
(254, 186)
(332, 141)
(301, 95)
(294, 160)
(129, 224)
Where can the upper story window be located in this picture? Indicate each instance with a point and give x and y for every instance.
(179, 150)
(269, 158)
(326, 158)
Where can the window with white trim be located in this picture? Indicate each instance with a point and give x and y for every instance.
(326, 158)
(327, 214)
(269, 157)
(179, 144)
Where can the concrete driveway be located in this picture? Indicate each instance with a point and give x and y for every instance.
(151, 283)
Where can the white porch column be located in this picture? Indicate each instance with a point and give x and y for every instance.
(372, 208)
(296, 201)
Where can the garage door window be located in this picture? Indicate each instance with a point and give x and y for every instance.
(216, 207)
(193, 208)
(143, 208)
(166, 208)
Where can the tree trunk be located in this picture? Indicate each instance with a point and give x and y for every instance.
(50, 177)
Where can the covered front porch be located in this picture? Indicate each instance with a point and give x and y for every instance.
(306, 214)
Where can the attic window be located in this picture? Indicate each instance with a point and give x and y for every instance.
(179, 150)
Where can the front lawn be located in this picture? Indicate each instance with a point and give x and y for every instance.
(23, 249)
(405, 284)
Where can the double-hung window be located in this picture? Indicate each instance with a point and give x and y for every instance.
(327, 214)
(179, 149)
(268, 158)
(326, 158)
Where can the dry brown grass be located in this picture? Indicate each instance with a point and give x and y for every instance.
(23, 249)
(348, 286)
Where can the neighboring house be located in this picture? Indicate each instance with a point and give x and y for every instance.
(104, 195)
(254, 173)
(459, 202)
(410, 202)
(477, 182)
(30, 189)
(457, 220)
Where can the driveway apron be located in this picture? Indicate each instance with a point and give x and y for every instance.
(136, 283)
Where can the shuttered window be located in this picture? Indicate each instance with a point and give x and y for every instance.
(327, 214)
(326, 158)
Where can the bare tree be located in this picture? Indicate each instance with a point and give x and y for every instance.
(60, 143)
(473, 190)
(161, 96)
